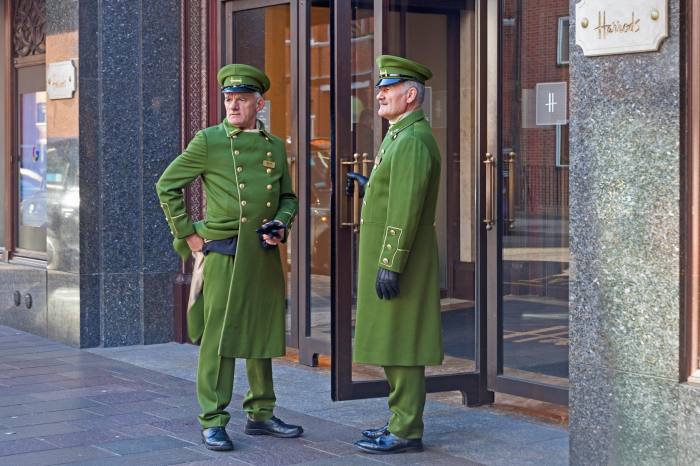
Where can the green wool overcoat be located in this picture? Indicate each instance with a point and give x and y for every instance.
(397, 232)
(246, 181)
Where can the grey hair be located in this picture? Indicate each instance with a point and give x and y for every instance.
(420, 90)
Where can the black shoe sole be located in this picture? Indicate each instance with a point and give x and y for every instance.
(216, 448)
(273, 434)
(368, 437)
(391, 452)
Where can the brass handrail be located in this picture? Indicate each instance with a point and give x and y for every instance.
(355, 166)
(511, 190)
(489, 167)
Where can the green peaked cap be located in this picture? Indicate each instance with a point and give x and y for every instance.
(393, 69)
(239, 77)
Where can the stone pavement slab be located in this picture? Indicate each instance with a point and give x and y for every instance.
(137, 406)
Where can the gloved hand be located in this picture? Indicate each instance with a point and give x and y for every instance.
(274, 229)
(350, 183)
(387, 284)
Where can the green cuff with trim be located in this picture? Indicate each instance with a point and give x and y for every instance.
(180, 225)
(392, 256)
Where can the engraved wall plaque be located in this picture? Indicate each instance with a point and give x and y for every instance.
(607, 27)
(60, 80)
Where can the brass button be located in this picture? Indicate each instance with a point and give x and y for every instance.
(269, 187)
(269, 170)
(385, 261)
(383, 150)
(393, 137)
(242, 185)
(388, 246)
(269, 154)
(264, 220)
(243, 203)
(269, 204)
(235, 152)
(234, 136)
(243, 219)
(364, 202)
(362, 220)
(392, 232)
(239, 169)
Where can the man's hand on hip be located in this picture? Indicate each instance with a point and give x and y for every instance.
(195, 242)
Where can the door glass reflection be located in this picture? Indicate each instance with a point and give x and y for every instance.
(449, 106)
(32, 210)
(534, 195)
(319, 172)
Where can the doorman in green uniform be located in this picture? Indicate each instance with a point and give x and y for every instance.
(250, 208)
(398, 298)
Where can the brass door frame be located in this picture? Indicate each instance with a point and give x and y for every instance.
(690, 113)
(491, 75)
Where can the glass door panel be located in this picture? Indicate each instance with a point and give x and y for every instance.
(270, 48)
(448, 50)
(362, 126)
(441, 36)
(319, 187)
(534, 185)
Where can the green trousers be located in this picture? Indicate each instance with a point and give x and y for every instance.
(406, 400)
(215, 385)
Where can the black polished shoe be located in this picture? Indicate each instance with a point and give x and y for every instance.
(374, 433)
(389, 443)
(274, 427)
(216, 438)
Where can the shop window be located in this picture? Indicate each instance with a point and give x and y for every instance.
(23, 181)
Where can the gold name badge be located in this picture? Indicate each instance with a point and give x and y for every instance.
(268, 164)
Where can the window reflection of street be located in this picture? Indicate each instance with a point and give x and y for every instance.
(32, 206)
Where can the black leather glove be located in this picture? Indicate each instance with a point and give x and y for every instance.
(272, 228)
(350, 183)
(387, 284)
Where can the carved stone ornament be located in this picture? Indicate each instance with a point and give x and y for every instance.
(29, 25)
(195, 29)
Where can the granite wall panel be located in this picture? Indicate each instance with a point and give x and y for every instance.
(626, 403)
(130, 124)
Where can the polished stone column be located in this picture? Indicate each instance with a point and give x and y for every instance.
(120, 267)
(627, 405)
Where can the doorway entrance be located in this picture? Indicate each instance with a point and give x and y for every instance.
(503, 209)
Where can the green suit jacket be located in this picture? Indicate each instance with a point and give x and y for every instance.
(397, 232)
(246, 181)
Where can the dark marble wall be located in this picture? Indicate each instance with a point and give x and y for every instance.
(627, 406)
(129, 130)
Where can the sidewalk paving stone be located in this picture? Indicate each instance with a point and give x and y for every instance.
(56, 456)
(137, 406)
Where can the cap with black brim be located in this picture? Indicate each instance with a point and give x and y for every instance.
(393, 70)
(239, 77)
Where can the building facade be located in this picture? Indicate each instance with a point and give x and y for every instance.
(567, 238)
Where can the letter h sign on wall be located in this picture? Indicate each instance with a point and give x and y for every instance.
(550, 103)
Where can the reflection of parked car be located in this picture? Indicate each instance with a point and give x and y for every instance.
(319, 205)
(32, 206)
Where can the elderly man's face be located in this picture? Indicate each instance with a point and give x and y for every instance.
(242, 108)
(395, 100)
